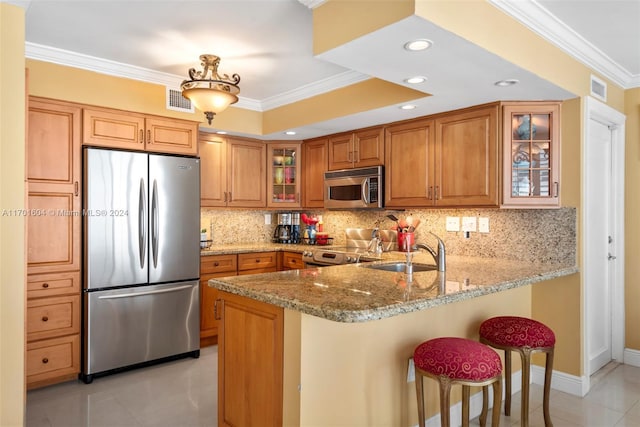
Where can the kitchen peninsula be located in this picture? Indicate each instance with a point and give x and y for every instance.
(330, 346)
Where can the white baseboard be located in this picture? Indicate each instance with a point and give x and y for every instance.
(578, 386)
(631, 357)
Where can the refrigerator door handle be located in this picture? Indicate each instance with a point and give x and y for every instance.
(139, 294)
(154, 223)
(142, 223)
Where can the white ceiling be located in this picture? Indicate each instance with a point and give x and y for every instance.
(269, 44)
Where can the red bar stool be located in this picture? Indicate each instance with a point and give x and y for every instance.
(526, 336)
(458, 361)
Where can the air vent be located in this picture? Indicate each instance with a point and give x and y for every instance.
(598, 88)
(177, 102)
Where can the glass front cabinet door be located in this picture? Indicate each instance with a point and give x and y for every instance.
(531, 156)
(283, 162)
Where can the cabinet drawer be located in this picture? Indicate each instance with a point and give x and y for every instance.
(292, 260)
(46, 285)
(50, 317)
(218, 264)
(53, 358)
(255, 260)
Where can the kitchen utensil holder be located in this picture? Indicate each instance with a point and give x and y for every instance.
(408, 239)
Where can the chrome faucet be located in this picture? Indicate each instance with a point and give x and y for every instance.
(439, 256)
(375, 246)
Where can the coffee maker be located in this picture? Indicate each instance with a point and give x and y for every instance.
(295, 228)
(282, 232)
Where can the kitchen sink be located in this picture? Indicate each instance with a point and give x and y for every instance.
(401, 266)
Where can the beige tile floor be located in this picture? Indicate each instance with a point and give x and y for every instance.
(183, 393)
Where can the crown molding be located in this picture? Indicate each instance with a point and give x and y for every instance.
(99, 65)
(337, 81)
(538, 19)
(118, 69)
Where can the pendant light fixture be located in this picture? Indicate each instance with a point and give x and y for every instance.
(209, 91)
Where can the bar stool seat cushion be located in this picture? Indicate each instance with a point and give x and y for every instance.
(458, 359)
(513, 331)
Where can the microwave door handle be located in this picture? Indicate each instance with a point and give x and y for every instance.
(365, 190)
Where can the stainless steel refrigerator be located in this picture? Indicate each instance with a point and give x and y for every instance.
(141, 259)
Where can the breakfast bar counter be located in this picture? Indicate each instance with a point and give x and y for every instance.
(359, 293)
(331, 346)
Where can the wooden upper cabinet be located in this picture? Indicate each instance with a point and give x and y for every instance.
(246, 177)
(232, 172)
(284, 173)
(174, 136)
(531, 154)
(448, 161)
(315, 165)
(357, 149)
(113, 129)
(54, 186)
(135, 131)
(466, 158)
(409, 172)
(213, 170)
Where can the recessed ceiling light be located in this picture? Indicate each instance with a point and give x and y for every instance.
(221, 132)
(407, 107)
(417, 45)
(416, 80)
(289, 132)
(507, 82)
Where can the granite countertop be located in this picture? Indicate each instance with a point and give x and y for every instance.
(356, 293)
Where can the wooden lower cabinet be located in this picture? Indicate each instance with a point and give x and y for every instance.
(292, 261)
(215, 266)
(257, 262)
(53, 239)
(53, 360)
(250, 362)
(211, 267)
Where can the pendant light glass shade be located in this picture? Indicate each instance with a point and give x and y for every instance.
(210, 92)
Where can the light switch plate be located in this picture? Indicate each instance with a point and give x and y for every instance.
(453, 223)
(469, 223)
(483, 225)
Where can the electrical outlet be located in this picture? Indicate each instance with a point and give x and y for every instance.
(411, 371)
(267, 219)
(469, 223)
(453, 223)
(483, 225)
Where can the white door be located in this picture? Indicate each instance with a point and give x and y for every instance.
(598, 220)
(603, 250)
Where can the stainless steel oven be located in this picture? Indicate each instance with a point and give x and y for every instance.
(325, 257)
(360, 188)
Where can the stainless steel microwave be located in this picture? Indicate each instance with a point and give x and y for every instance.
(360, 188)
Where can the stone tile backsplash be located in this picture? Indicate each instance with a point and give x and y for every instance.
(524, 234)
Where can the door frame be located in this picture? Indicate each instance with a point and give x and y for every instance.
(596, 110)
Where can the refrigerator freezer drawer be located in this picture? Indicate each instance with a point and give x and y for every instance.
(129, 326)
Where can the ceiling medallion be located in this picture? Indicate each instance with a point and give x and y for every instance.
(209, 91)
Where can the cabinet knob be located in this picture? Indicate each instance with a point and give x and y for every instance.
(45, 285)
(216, 264)
(45, 318)
(257, 259)
(45, 360)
